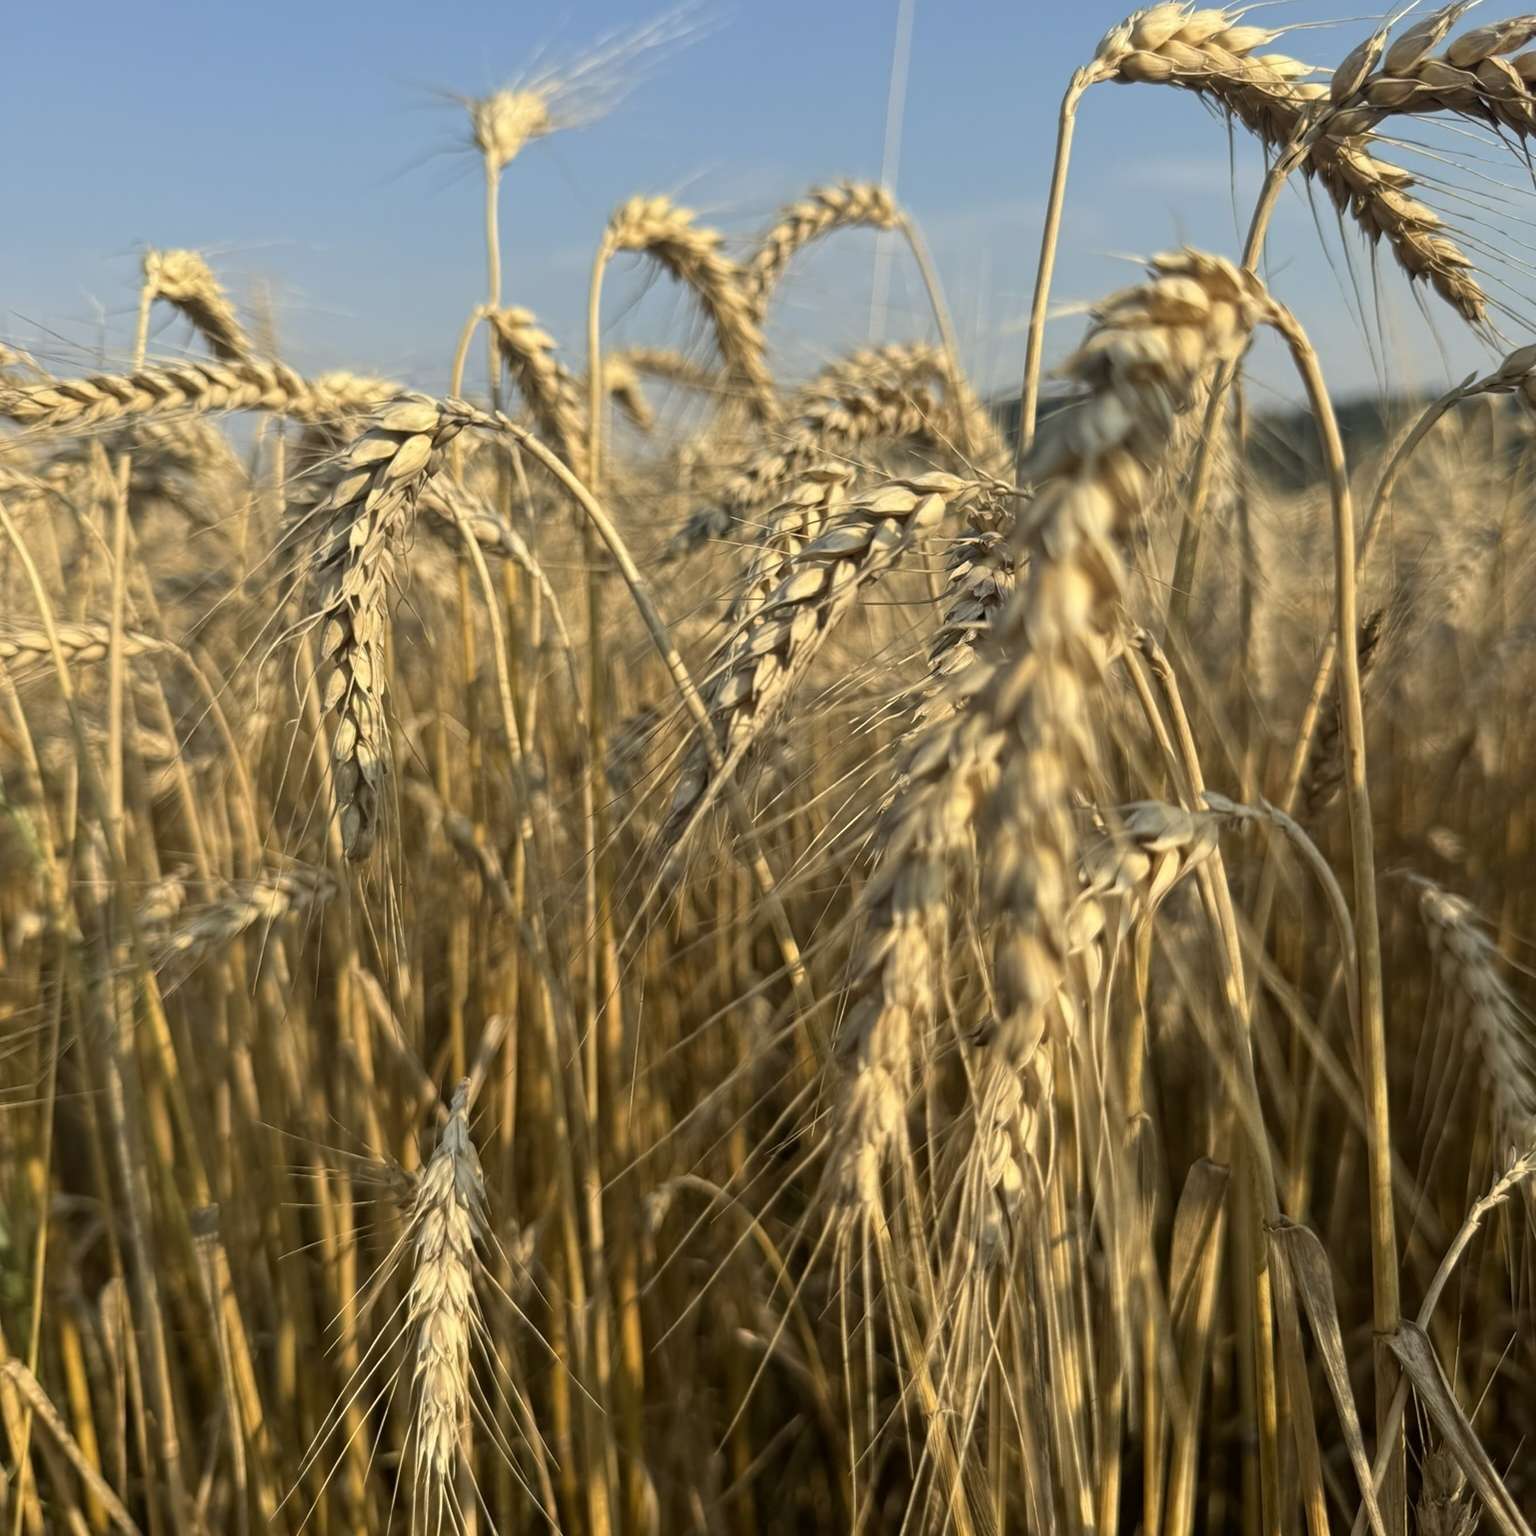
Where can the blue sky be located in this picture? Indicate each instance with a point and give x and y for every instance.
(308, 150)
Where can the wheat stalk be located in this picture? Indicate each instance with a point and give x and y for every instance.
(183, 279)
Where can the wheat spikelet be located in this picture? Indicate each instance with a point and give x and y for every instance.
(82, 643)
(247, 384)
(656, 227)
(448, 1214)
(783, 630)
(846, 205)
(369, 502)
(1446, 1506)
(819, 494)
(183, 279)
(1468, 963)
(544, 382)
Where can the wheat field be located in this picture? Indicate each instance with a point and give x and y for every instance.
(641, 945)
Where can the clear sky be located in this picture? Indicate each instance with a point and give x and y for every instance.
(307, 148)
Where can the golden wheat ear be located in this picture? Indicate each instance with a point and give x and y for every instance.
(446, 1226)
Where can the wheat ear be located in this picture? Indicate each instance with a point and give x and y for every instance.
(544, 382)
(889, 394)
(621, 384)
(670, 366)
(1446, 1506)
(784, 630)
(82, 643)
(1469, 966)
(267, 898)
(60, 405)
(823, 210)
(184, 280)
(656, 227)
(447, 1220)
(1213, 54)
(371, 495)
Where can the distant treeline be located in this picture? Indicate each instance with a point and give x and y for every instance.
(1282, 446)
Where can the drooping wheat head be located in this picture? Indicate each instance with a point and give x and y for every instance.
(184, 279)
(823, 210)
(693, 256)
(544, 381)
